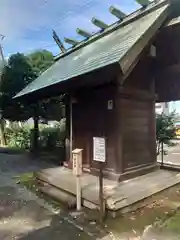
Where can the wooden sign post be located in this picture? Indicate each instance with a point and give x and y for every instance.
(99, 155)
(77, 171)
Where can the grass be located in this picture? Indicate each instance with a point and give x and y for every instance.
(29, 181)
(173, 223)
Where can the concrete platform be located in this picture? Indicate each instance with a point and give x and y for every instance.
(119, 196)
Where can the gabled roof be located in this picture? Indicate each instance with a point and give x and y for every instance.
(121, 43)
(126, 20)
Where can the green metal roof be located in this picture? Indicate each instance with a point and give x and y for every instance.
(122, 45)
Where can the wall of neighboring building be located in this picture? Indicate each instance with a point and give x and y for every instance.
(162, 108)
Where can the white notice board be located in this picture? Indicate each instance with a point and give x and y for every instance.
(99, 149)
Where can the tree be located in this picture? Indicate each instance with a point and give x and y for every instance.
(40, 61)
(21, 70)
(15, 76)
(165, 129)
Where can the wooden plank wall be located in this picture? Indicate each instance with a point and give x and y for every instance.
(136, 130)
(168, 64)
(91, 118)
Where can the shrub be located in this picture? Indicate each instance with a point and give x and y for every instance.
(165, 129)
(52, 137)
(18, 137)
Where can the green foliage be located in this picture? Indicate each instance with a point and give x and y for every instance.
(52, 137)
(51, 108)
(40, 61)
(18, 137)
(18, 73)
(165, 129)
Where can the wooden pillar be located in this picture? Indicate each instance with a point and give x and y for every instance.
(153, 123)
(35, 141)
(119, 133)
(68, 128)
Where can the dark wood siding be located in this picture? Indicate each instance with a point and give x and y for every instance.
(128, 127)
(91, 118)
(136, 133)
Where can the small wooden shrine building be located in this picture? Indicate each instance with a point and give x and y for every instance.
(111, 81)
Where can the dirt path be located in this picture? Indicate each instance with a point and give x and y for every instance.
(22, 214)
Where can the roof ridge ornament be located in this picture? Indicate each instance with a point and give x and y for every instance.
(110, 28)
(143, 3)
(117, 12)
(99, 23)
(58, 42)
(83, 33)
(71, 41)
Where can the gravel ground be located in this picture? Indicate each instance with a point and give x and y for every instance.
(22, 214)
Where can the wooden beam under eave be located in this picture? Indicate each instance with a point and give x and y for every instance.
(172, 22)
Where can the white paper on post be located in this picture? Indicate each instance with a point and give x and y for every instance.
(99, 149)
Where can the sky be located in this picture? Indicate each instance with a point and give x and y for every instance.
(27, 25)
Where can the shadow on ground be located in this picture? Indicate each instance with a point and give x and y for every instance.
(58, 229)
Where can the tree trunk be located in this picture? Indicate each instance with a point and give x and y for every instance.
(35, 134)
(68, 130)
(158, 147)
(3, 137)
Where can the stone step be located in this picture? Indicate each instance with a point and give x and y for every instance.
(61, 196)
(120, 197)
(64, 197)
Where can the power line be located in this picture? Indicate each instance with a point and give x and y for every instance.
(41, 47)
(50, 45)
(86, 6)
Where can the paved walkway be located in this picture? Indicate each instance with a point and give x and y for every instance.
(172, 156)
(22, 214)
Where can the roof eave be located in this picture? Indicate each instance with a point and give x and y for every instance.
(113, 28)
(128, 62)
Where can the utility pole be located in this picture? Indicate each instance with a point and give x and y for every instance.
(3, 139)
(1, 51)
